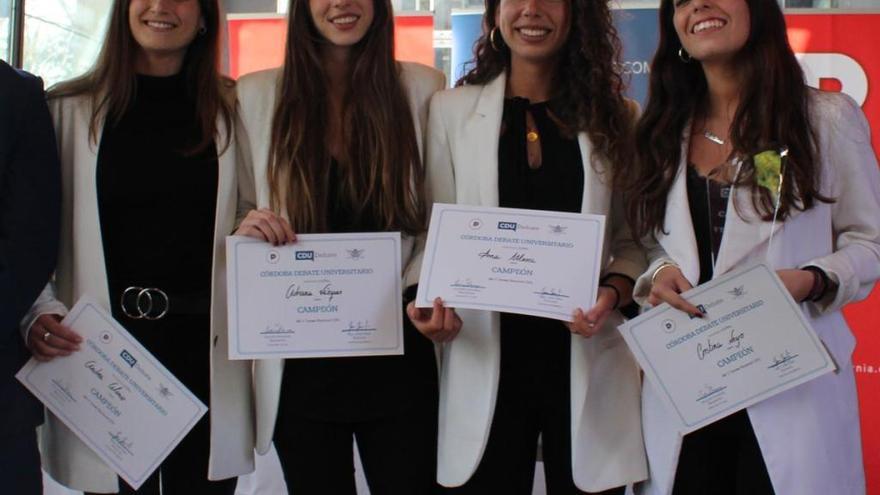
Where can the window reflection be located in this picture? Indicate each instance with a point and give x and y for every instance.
(62, 37)
(6, 30)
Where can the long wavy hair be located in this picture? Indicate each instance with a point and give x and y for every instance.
(381, 170)
(111, 83)
(589, 87)
(774, 112)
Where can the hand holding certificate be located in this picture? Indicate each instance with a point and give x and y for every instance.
(328, 295)
(753, 343)
(530, 262)
(114, 395)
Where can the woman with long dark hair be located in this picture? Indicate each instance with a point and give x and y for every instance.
(739, 162)
(540, 122)
(149, 193)
(335, 138)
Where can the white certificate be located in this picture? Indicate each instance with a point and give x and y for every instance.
(327, 295)
(753, 343)
(531, 262)
(115, 396)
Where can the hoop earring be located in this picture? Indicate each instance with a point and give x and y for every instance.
(492, 39)
(203, 30)
(684, 56)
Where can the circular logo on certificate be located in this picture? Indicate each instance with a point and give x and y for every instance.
(668, 326)
(273, 257)
(476, 224)
(106, 337)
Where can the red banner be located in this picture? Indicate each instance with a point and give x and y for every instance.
(839, 52)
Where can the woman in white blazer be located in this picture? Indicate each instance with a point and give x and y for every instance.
(725, 86)
(540, 122)
(149, 161)
(335, 139)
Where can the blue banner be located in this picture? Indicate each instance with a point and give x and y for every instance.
(638, 34)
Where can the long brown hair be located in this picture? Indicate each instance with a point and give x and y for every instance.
(589, 88)
(111, 83)
(773, 112)
(382, 174)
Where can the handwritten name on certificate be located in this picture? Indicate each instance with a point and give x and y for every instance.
(115, 396)
(531, 262)
(327, 295)
(753, 344)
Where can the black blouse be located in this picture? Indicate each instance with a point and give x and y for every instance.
(534, 348)
(359, 388)
(558, 184)
(156, 198)
(708, 200)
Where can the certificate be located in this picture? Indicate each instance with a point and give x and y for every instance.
(530, 262)
(327, 295)
(114, 395)
(753, 343)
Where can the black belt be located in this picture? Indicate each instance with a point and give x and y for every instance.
(152, 303)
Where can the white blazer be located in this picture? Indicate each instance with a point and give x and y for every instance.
(606, 437)
(257, 93)
(81, 271)
(809, 436)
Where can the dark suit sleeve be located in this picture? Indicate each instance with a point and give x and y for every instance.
(30, 197)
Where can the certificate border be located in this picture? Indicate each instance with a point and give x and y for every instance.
(288, 354)
(200, 408)
(519, 213)
(733, 408)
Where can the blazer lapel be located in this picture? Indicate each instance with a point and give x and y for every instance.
(745, 234)
(680, 242)
(481, 135)
(597, 188)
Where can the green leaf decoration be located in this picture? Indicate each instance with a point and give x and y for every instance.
(768, 167)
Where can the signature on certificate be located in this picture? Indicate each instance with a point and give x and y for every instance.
(782, 358)
(95, 369)
(734, 341)
(122, 441)
(488, 254)
(296, 291)
(466, 284)
(552, 292)
(277, 329)
(521, 258)
(328, 290)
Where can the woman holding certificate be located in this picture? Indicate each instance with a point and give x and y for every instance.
(739, 163)
(149, 194)
(546, 97)
(335, 137)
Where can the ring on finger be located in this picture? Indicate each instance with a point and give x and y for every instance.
(46, 336)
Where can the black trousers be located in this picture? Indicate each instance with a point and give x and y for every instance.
(723, 458)
(181, 344)
(398, 453)
(533, 400)
(20, 463)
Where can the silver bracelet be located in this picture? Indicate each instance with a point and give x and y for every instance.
(660, 269)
